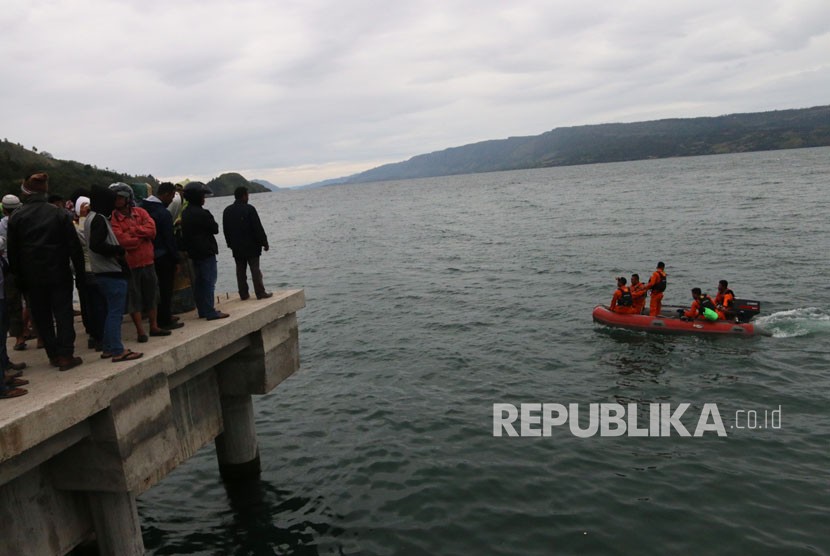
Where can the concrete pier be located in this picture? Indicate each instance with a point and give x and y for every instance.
(83, 444)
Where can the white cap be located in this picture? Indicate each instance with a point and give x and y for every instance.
(11, 202)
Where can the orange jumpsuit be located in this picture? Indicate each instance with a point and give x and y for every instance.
(639, 292)
(622, 309)
(656, 296)
(697, 309)
(724, 302)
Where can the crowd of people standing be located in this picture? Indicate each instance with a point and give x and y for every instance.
(121, 256)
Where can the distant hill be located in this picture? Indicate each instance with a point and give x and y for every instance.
(65, 176)
(268, 185)
(780, 129)
(226, 183)
(325, 183)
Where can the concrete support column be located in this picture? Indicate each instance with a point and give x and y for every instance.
(236, 448)
(115, 519)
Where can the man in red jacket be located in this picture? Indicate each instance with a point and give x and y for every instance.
(135, 231)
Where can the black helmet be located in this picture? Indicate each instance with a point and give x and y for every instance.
(198, 187)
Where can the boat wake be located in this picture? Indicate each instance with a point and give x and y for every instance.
(795, 322)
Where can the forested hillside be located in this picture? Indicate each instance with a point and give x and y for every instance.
(66, 176)
(783, 129)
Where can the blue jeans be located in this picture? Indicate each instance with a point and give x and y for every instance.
(204, 282)
(115, 291)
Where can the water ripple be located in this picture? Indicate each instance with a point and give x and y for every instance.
(431, 300)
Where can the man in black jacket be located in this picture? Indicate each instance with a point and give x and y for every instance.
(164, 250)
(246, 238)
(42, 241)
(198, 229)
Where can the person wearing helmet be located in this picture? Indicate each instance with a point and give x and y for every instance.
(135, 231)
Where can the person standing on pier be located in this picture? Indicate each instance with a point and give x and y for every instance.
(14, 299)
(92, 300)
(9, 385)
(246, 238)
(198, 231)
(42, 240)
(136, 231)
(166, 253)
(106, 259)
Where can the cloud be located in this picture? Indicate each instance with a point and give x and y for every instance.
(196, 88)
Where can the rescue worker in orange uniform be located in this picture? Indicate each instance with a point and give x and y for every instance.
(638, 292)
(622, 302)
(657, 285)
(725, 300)
(700, 303)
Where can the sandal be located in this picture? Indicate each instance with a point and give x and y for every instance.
(107, 355)
(128, 355)
(15, 382)
(13, 393)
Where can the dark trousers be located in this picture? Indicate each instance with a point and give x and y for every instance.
(14, 306)
(166, 272)
(53, 314)
(4, 356)
(93, 308)
(242, 265)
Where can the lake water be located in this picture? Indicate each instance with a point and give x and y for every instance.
(428, 301)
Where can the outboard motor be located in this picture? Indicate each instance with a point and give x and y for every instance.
(746, 309)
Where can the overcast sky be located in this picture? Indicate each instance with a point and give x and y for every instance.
(295, 92)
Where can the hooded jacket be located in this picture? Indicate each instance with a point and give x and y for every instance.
(165, 242)
(135, 232)
(198, 231)
(106, 255)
